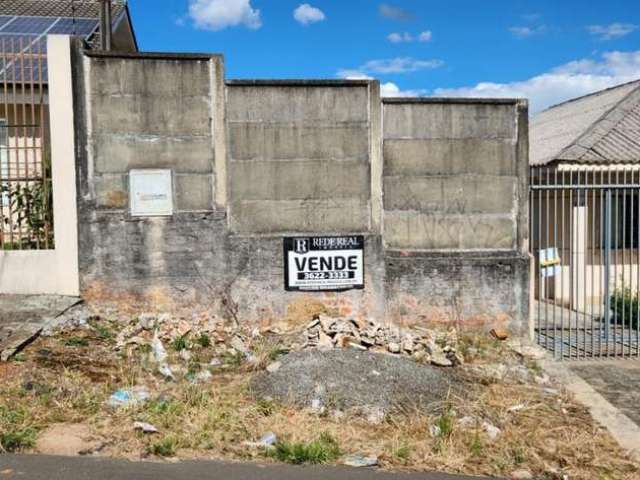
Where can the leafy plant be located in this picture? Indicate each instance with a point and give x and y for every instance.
(180, 343)
(17, 440)
(625, 306)
(31, 206)
(203, 340)
(323, 450)
(164, 448)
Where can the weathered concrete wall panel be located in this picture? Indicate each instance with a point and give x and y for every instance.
(122, 152)
(299, 157)
(451, 175)
(450, 120)
(444, 157)
(285, 142)
(453, 188)
(468, 291)
(298, 102)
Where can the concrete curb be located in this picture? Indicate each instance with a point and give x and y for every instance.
(621, 427)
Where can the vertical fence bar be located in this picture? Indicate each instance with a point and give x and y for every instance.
(9, 132)
(607, 266)
(539, 257)
(554, 222)
(546, 277)
(564, 257)
(624, 258)
(592, 265)
(637, 243)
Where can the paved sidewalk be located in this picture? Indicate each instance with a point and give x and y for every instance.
(616, 380)
(38, 467)
(22, 317)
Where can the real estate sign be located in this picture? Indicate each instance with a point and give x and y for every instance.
(323, 263)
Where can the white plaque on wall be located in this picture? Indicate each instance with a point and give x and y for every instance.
(150, 193)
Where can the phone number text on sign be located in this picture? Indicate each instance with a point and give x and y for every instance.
(324, 263)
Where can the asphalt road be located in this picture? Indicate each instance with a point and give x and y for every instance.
(38, 467)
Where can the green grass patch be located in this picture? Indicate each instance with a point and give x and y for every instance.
(167, 447)
(180, 343)
(402, 453)
(203, 340)
(76, 342)
(17, 440)
(323, 450)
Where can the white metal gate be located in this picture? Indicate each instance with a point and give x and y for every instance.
(585, 223)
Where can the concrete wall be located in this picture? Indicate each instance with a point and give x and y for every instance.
(452, 175)
(455, 210)
(53, 271)
(253, 161)
(300, 156)
(148, 111)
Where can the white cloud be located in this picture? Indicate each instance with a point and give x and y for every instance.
(406, 37)
(353, 74)
(614, 30)
(387, 89)
(219, 14)
(400, 37)
(390, 89)
(525, 32)
(561, 83)
(395, 13)
(391, 65)
(306, 14)
(425, 36)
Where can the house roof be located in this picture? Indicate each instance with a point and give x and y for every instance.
(603, 127)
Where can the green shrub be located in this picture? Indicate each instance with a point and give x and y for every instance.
(203, 340)
(180, 343)
(163, 448)
(625, 307)
(17, 440)
(323, 450)
(76, 342)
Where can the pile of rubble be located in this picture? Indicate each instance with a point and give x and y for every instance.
(422, 344)
(227, 338)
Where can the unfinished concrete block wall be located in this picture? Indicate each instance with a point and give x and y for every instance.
(451, 175)
(146, 111)
(455, 209)
(300, 155)
(253, 161)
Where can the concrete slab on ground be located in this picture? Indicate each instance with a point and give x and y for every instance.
(616, 380)
(39, 467)
(22, 317)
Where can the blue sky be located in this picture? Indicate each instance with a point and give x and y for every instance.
(547, 51)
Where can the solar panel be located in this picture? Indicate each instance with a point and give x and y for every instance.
(29, 25)
(12, 43)
(4, 19)
(79, 26)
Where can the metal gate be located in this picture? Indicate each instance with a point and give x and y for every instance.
(26, 217)
(585, 224)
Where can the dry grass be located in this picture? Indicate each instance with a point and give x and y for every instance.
(61, 383)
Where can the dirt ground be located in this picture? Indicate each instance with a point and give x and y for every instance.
(510, 421)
